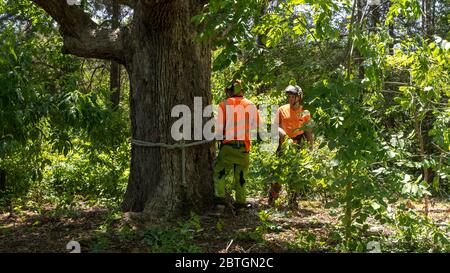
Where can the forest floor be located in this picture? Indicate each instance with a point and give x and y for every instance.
(259, 229)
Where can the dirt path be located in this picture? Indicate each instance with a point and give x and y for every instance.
(98, 230)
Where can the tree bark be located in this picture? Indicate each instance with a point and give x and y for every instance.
(427, 18)
(2, 181)
(389, 120)
(426, 144)
(358, 56)
(392, 34)
(166, 67)
(114, 71)
(374, 16)
(82, 36)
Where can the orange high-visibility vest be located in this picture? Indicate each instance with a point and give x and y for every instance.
(291, 120)
(236, 118)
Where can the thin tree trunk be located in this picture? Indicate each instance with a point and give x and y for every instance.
(430, 18)
(392, 34)
(375, 15)
(426, 145)
(350, 41)
(348, 210)
(358, 56)
(433, 17)
(2, 180)
(7, 202)
(424, 20)
(427, 18)
(422, 152)
(114, 72)
(389, 120)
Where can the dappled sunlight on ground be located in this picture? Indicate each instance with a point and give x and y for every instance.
(259, 229)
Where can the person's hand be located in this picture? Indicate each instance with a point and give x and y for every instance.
(282, 135)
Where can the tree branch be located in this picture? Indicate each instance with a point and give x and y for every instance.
(300, 20)
(82, 36)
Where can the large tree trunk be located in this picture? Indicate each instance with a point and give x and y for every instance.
(166, 68)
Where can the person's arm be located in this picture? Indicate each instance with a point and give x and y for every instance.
(281, 133)
(309, 132)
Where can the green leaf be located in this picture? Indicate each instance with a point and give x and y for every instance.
(406, 188)
(391, 154)
(332, 204)
(13, 53)
(375, 205)
(436, 183)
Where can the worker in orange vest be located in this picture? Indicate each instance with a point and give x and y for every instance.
(290, 118)
(237, 118)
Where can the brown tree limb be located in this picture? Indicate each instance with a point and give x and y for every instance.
(81, 35)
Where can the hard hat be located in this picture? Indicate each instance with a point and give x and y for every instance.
(235, 89)
(294, 89)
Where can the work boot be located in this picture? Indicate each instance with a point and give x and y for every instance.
(274, 193)
(240, 208)
(218, 210)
